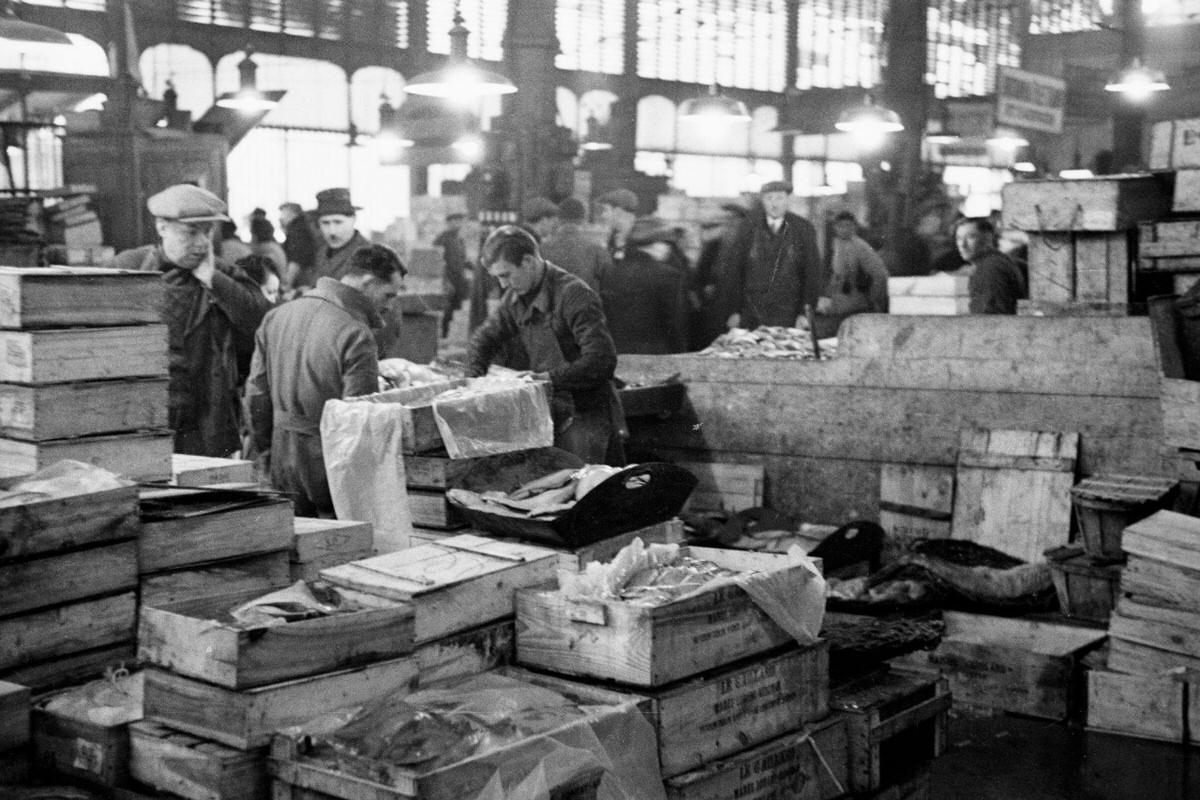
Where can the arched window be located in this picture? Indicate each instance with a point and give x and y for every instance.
(189, 71)
(368, 87)
(316, 90)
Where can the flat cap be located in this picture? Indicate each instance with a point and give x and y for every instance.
(652, 229)
(620, 198)
(187, 203)
(776, 186)
(538, 208)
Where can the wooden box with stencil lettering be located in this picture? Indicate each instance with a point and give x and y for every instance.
(69, 742)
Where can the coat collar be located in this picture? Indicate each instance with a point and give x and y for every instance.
(349, 299)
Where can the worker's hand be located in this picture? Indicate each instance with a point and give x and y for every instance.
(734, 321)
(205, 269)
(823, 305)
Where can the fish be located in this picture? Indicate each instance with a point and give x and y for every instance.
(554, 480)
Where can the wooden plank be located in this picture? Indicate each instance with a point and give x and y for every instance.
(1136, 705)
(439, 471)
(257, 574)
(321, 543)
(1154, 626)
(67, 629)
(194, 768)
(787, 764)
(466, 653)
(1051, 267)
(48, 297)
(431, 509)
(1162, 583)
(262, 528)
(59, 672)
(1091, 267)
(934, 306)
(1169, 248)
(716, 715)
(916, 501)
(246, 719)
(239, 656)
(83, 354)
(80, 748)
(64, 410)
(645, 646)
(445, 582)
(141, 456)
(188, 470)
(1140, 659)
(1181, 413)
(51, 580)
(1165, 536)
(15, 703)
(1108, 203)
(943, 285)
(1022, 510)
(1187, 190)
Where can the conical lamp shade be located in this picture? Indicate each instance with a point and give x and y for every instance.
(459, 80)
(714, 106)
(1138, 80)
(17, 30)
(870, 116)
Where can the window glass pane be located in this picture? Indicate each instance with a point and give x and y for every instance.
(590, 35)
(188, 69)
(368, 87)
(655, 123)
(485, 19)
(967, 44)
(316, 90)
(273, 165)
(839, 43)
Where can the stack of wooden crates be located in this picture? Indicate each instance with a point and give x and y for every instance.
(1173, 246)
(84, 371)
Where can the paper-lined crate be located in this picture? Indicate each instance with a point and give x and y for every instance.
(459, 583)
(575, 559)
(945, 294)
(321, 543)
(194, 768)
(651, 646)
(240, 656)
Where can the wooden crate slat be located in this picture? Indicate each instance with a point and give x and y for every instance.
(1136, 705)
(54, 579)
(67, 629)
(65, 410)
(83, 354)
(193, 768)
(140, 456)
(45, 297)
(264, 527)
(189, 470)
(257, 574)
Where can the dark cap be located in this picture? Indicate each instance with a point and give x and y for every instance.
(651, 229)
(776, 186)
(572, 210)
(453, 215)
(335, 201)
(185, 202)
(845, 214)
(620, 198)
(538, 208)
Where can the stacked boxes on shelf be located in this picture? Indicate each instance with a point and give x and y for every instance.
(1173, 246)
(1082, 239)
(84, 373)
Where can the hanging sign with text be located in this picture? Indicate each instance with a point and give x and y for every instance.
(1031, 101)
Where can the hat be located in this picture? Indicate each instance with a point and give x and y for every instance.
(845, 214)
(651, 229)
(620, 198)
(776, 186)
(335, 201)
(187, 203)
(572, 210)
(538, 208)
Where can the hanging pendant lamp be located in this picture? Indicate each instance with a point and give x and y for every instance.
(1137, 81)
(714, 106)
(459, 78)
(249, 98)
(13, 29)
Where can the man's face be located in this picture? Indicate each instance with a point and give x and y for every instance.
(337, 229)
(381, 292)
(775, 204)
(616, 218)
(185, 244)
(519, 277)
(971, 241)
(545, 226)
(286, 215)
(844, 228)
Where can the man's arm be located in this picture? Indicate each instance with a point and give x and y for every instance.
(260, 410)
(360, 365)
(584, 315)
(731, 273)
(236, 294)
(484, 343)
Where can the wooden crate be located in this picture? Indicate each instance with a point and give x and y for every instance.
(187, 470)
(1019, 665)
(431, 509)
(1162, 627)
(249, 575)
(83, 354)
(459, 583)
(1014, 490)
(15, 703)
(194, 768)
(725, 487)
(260, 525)
(713, 716)
(49, 297)
(59, 672)
(1146, 706)
(1175, 144)
(142, 456)
(321, 543)
(1170, 246)
(941, 295)
(577, 559)
(1103, 204)
(1180, 401)
(1167, 537)
(247, 718)
(66, 410)
(67, 629)
(1161, 583)
(1107, 504)
(76, 575)
(651, 646)
(419, 431)
(466, 652)
(1086, 591)
(238, 657)
(1187, 190)
(608, 717)
(437, 471)
(894, 721)
(916, 501)
(1140, 659)
(783, 767)
(42, 527)
(77, 747)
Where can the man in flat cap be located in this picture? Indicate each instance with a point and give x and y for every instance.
(573, 249)
(618, 210)
(336, 216)
(541, 216)
(773, 268)
(645, 297)
(211, 311)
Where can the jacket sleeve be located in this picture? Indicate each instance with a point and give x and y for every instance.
(731, 272)
(877, 274)
(360, 365)
(236, 294)
(676, 299)
(584, 316)
(813, 278)
(487, 339)
(258, 396)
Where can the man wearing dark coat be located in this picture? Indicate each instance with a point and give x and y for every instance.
(454, 267)
(211, 310)
(337, 217)
(773, 268)
(645, 297)
(315, 348)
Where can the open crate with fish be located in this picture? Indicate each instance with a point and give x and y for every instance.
(498, 734)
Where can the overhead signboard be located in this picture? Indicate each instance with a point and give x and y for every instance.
(1031, 101)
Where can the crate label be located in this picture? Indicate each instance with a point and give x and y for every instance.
(15, 412)
(89, 756)
(766, 776)
(10, 302)
(754, 691)
(16, 354)
(719, 625)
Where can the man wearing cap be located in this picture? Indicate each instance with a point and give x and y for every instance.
(857, 279)
(318, 347)
(336, 216)
(211, 310)
(541, 217)
(645, 298)
(773, 268)
(571, 248)
(454, 267)
(618, 210)
(559, 323)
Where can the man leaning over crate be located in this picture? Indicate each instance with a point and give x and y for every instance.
(211, 310)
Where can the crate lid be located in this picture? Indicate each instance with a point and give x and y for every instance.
(1134, 489)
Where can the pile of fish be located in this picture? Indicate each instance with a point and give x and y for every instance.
(769, 341)
(544, 498)
(646, 576)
